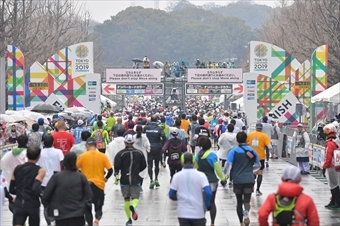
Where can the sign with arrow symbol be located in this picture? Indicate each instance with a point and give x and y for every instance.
(237, 89)
(108, 89)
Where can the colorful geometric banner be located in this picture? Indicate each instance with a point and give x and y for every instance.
(280, 74)
(15, 78)
(66, 79)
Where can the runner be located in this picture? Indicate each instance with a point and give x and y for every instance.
(101, 136)
(299, 207)
(241, 160)
(50, 160)
(68, 208)
(81, 147)
(259, 141)
(62, 139)
(156, 136)
(130, 162)
(186, 188)
(78, 130)
(26, 185)
(116, 145)
(174, 148)
(93, 164)
(207, 163)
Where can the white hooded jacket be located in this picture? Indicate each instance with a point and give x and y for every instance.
(114, 147)
(143, 144)
(226, 142)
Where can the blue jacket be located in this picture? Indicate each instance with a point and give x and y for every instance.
(155, 134)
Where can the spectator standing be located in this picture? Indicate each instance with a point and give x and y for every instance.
(275, 139)
(302, 141)
(269, 130)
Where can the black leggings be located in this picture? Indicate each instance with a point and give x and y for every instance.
(174, 168)
(75, 221)
(97, 200)
(154, 155)
(213, 209)
(242, 199)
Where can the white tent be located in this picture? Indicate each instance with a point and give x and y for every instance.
(239, 103)
(331, 94)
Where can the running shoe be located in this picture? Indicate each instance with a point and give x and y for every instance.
(128, 223)
(157, 183)
(246, 220)
(334, 207)
(329, 204)
(134, 214)
(258, 193)
(152, 185)
(96, 222)
(267, 165)
(164, 165)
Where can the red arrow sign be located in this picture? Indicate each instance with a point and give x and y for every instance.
(108, 89)
(238, 89)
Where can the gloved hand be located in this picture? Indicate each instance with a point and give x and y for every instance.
(224, 182)
(324, 172)
(117, 180)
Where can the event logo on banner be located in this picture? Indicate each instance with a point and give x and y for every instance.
(66, 76)
(232, 75)
(133, 75)
(15, 78)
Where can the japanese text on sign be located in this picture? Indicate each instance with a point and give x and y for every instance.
(133, 75)
(215, 75)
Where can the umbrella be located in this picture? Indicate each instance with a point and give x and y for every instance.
(79, 110)
(81, 114)
(137, 60)
(6, 118)
(66, 116)
(33, 116)
(160, 64)
(45, 108)
(18, 117)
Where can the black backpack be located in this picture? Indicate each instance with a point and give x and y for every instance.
(284, 213)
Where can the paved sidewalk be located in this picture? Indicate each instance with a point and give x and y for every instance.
(157, 209)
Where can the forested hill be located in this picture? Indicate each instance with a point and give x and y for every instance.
(187, 34)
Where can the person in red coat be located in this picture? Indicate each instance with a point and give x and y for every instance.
(305, 209)
(328, 169)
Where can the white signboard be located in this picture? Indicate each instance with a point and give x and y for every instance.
(250, 96)
(82, 58)
(133, 76)
(285, 109)
(55, 101)
(93, 92)
(222, 75)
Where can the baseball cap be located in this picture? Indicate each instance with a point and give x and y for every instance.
(80, 122)
(259, 126)
(129, 139)
(300, 125)
(174, 131)
(291, 173)
(91, 141)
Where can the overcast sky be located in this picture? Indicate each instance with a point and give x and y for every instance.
(102, 9)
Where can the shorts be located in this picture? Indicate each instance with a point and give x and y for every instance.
(130, 191)
(243, 188)
(21, 214)
(213, 186)
(262, 164)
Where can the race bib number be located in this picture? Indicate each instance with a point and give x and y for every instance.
(255, 142)
(100, 145)
(174, 156)
(336, 158)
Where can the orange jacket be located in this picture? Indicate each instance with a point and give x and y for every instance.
(305, 206)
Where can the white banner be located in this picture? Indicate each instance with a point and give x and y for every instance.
(133, 75)
(250, 96)
(222, 75)
(91, 100)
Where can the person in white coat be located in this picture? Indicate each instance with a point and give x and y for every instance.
(302, 141)
(13, 158)
(116, 145)
(142, 143)
(226, 142)
(275, 139)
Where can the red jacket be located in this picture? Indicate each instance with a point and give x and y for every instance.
(329, 153)
(304, 205)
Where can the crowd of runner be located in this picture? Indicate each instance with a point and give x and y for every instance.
(200, 149)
